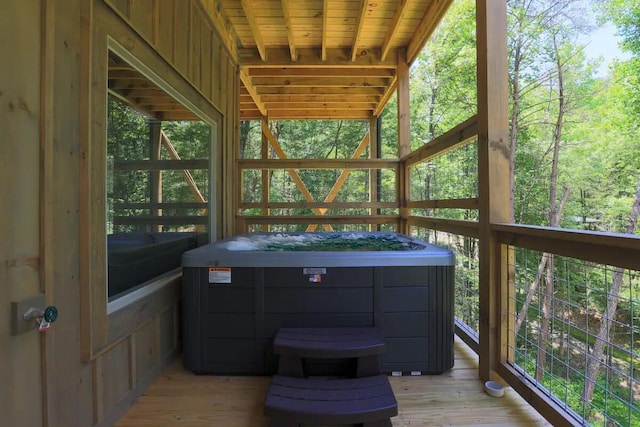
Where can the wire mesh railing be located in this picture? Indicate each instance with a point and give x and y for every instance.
(574, 333)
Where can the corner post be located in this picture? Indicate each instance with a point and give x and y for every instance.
(404, 137)
(493, 176)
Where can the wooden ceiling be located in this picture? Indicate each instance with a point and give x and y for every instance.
(312, 59)
(303, 59)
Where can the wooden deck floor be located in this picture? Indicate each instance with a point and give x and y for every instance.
(455, 398)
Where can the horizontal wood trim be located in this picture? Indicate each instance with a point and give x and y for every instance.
(447, 142)
(150, 165)
(308, 57)
(463, 228)
(318, 164)
(616, 249)
(443, 204)
(162, 205)
(160, 220)
(325, 219)
(317, 205)
(553, 412)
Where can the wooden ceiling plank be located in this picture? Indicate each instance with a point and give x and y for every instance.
(320, 114)
(397, 18)
(429, 22)
(255, 29)
(310, 57)
(286, 9)
(356, 38)
(248, 84)
(325, 18)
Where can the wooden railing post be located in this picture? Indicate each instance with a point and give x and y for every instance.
(493, 177)
(404, 137)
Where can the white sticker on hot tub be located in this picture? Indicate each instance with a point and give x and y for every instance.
(314, 271)
(219, 275)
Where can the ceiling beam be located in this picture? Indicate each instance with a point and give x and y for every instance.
(400, 12)
(325, 19)
(433, 15)
(319, 106)
(344, 91)
(321, 72)
(303, 99)
(286, 9)
(309, 57)
(255, 30)
(332, 81)
(359, 25)
(248, 84)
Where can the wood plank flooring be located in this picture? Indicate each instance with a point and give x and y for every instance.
(455, 398)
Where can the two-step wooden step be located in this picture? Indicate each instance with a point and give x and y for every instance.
(294, 399)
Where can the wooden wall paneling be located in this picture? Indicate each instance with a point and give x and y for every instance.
(147, 354)
(195, 22)
(141, 17)
(166, 336)
(206, 35)
(20, 104)
(217, 51)
(72, 404)
(181, 37)
(164, 29)
(112, 378)
(493, 177)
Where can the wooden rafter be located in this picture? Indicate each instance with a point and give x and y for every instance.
(248, 84)
(292, 172)
(286, 9)
(359, 25)
(400, 12)
(255, 29)
(325, 18)
(342, 178)
(321, 72)
(428, 24)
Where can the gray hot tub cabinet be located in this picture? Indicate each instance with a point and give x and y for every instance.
(235, 301)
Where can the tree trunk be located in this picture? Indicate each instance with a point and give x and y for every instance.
(522, 315)
(593, 364)
(554, 218)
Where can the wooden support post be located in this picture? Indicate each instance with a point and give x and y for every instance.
(493, 176)
(404, 137)
(155, 176)
(266, 184)
(374, 141)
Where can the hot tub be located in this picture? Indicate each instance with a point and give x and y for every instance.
(236, 297)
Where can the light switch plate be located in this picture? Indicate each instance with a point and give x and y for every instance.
(19, 308)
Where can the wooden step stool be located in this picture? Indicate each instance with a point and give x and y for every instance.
(367, 402)
(293, 345)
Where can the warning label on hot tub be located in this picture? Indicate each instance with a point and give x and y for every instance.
(219, 275)
(314, 274)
